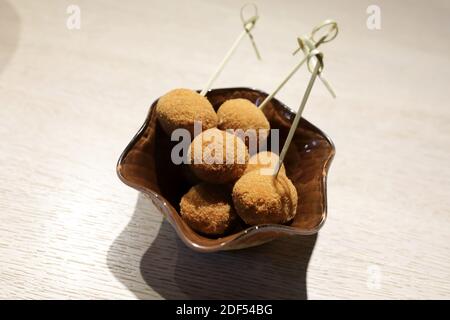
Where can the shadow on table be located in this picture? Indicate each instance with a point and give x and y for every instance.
(276, 270)
(9, 32)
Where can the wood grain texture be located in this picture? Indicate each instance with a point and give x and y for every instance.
(70, 100)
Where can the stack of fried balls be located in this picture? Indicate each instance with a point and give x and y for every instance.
(232, 183)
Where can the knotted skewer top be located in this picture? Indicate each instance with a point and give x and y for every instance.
(308, 44)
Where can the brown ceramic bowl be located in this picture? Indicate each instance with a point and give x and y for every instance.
(146, 166)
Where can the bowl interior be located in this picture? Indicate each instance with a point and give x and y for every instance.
(146, 166)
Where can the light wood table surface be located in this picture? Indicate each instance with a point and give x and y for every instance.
(70, 100)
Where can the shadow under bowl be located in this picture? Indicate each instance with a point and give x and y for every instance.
(146, 166)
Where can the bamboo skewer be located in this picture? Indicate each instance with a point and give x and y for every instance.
(281, 85)
(248, 24)
(287, 143)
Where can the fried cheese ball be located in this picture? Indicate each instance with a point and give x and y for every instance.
(243, 114)
(217, 156)
(180, 108)
(264, 162)
(260, 199)
(208, 209)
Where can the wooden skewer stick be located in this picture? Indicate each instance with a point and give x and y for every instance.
(298, 116)
(249, 24)
(307, 44)
(281, 85)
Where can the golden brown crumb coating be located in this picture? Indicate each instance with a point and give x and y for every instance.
(242, 114)
(260, 199)
(218, 156)
(208, 209)
(264, 161)
(179, 108)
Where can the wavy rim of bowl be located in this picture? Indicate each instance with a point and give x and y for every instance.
(288, 230)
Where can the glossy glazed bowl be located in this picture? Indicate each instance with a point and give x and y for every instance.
(145, 165)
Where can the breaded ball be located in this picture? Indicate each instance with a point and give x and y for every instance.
(180, 108)
(260, 199)
(265, 162)
(208, 209)
(217, 156)
(243, 114)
